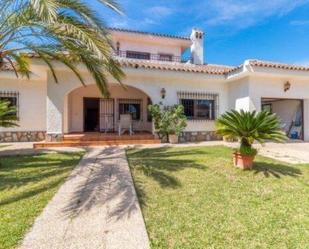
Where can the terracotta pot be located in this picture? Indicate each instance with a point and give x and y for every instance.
(173, 139)
(242, 161)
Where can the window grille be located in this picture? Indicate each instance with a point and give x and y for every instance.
(132, 106)
(12, 97)
(199, 105)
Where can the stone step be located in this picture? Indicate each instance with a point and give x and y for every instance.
(107, 137)
(94, 143)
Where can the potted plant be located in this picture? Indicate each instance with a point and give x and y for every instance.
(248, 127)
(169, 121)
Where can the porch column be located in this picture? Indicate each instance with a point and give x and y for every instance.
(306, 120)
(54, 113)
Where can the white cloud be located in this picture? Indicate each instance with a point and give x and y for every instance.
(300, 22)
(244, 13)
(302, 63)
(159, 11)
(150, 16)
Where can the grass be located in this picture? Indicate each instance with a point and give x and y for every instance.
(4, 145)
(195, 198)
(27, 183)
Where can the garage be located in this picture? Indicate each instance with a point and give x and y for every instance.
(290, 113)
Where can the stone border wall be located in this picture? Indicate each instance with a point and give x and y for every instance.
(198, 136)
(22, 136)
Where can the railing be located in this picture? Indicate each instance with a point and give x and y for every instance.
(148, 56)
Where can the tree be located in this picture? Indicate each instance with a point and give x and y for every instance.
(248, 127)
(68, 31)
(168, 120)
(8, 115)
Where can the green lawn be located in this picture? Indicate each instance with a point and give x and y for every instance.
(27, 183)
(4, 145)
(195, 198)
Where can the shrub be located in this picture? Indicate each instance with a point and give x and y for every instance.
(168, 119)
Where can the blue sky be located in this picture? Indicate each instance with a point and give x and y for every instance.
(276, 30)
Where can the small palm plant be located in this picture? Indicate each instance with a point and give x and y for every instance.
(8, 117)
(248, 127)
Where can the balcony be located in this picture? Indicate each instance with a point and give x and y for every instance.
(148, 56)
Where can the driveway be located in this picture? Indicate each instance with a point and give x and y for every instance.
(291, 152)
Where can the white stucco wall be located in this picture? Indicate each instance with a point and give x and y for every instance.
(32, 102)
(238, 94)
(273, 87)
(150, 82)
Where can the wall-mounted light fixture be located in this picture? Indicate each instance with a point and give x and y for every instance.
(287, 86)
(163, 93)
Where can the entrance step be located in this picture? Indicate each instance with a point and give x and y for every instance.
(105, 137)
(95, 143)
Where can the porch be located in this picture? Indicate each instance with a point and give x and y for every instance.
(90, 119)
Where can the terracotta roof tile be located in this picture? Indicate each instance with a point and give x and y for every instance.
(149, 33)
(174, 66)
(269, 64)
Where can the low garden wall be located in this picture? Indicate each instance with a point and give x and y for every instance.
(22, 136)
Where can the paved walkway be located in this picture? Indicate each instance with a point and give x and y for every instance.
(294, 153)
(95, 208)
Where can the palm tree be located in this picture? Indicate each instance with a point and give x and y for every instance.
(8, 116)
(248, 127)
(68, 31)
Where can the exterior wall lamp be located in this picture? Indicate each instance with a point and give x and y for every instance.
(287, 86)
(163, 93)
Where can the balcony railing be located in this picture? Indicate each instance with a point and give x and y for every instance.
(148, 56)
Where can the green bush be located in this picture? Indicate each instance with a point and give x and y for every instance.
(168, 119)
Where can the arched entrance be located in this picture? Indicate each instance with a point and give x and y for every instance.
(87, 111)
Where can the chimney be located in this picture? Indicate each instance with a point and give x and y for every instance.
(197, 47)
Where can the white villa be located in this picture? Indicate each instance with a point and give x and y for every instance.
(156, 72)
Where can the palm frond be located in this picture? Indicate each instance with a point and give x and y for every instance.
(8, 117)
(68, 31)
(250, 126)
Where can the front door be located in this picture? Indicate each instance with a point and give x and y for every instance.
(91, 114)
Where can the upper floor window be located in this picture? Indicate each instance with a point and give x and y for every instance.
(12, 98)
(138, 55)
(199, 106)
(165, 57)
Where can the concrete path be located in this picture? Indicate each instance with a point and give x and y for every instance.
(95, 208)
(294, 153)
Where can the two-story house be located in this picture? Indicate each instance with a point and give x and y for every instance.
(158, 70)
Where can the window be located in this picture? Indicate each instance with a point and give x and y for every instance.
(199, 106)
(132, 107)
(12, 98)
(267, 107)
(165, 57)
(138, 55)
